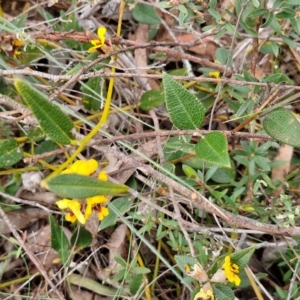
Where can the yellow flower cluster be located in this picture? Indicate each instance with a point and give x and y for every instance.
(75, 208)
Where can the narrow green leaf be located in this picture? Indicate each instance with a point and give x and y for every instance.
(81, 237)
(80, 186)
(185, 109)
(145, 14)
(94, 286)
(213, 148)
(283, 126)
(51, 119)
(59, 240)
(117, 207)
(151, 99)
(10, 153)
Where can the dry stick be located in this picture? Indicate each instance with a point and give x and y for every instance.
(28, 202)
(200, 201)
(30, 254)
(55, 78)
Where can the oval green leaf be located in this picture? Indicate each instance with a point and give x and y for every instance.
(145, 14)
(223, 292)
(81, 237)
(185, 109)
(282, 126)
(80, 186)
(10, 153)
(151, 99)
(213, 148)
(54, 123)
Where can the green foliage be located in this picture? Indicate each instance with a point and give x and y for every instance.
(51, 119)
(10, 153)
(151, 99)
(94, 92)
(59, 241)
(283, 126)
(186, 111)
(81, 238)
(145, 14)
(80, 186)
(213, 148)
(117, 208)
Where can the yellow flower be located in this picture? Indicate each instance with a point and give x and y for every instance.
(103, 176)
(214, 74)
(231, 271)
(82, 167)
(94, 203)
(16, 44)
(204, 295)
(75, 210)
(100, 42)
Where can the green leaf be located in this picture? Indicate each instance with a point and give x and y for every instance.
(81, 237)
(222, 56)
(224, 175)
(185, 109)
(214, 14)
(183, 260)
(213, 148)
(145, 14)
(283, 126)
(94, 286)
(51, 119)
(59, 240)
(189, 172)
(10, 153)
(135, 284)
(93, 91)
(151, 99)
(119, 205)
(242, 257)
(80, 186)
(46, 146)
(223, 292)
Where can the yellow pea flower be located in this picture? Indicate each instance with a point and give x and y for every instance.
(231, 271)
(75, 210)
(214, 74)
(100, 42)
(94, 203)
(16, 44)
(204, 295)
(82, 167)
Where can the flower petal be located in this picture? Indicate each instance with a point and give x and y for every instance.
(103, 212)
(103, 176)
(101, 34)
